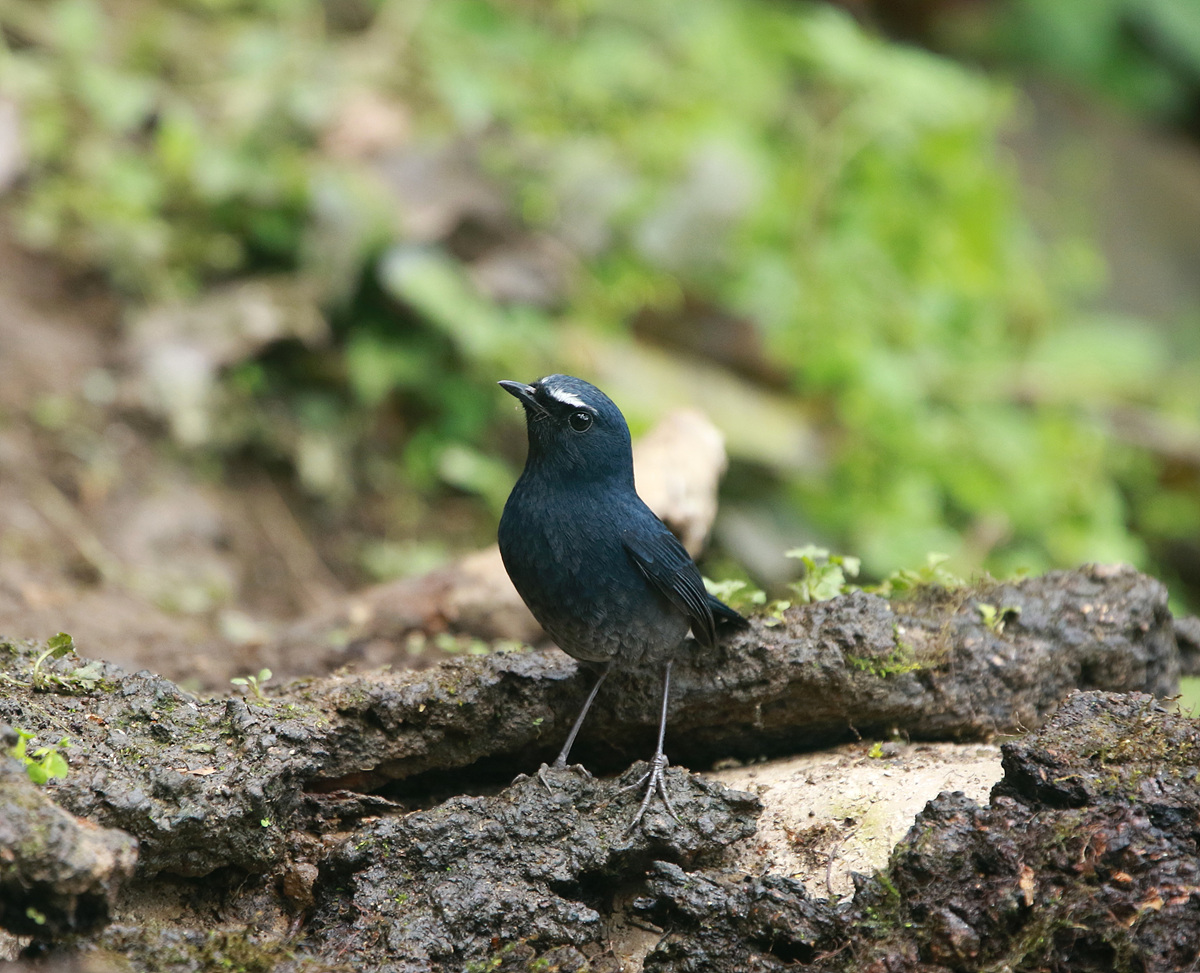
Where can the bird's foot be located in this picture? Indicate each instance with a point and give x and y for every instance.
(561, 765)
(655, 781)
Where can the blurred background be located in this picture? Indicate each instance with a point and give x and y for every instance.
(932, 266)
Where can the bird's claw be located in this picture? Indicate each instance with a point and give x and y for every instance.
(655, 781)
(557, 765)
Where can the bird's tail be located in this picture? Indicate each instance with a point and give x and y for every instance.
(724, 616)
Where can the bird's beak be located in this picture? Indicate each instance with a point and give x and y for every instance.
(524, 393)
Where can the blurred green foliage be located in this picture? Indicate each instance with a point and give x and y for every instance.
(846, 196)
(1144, 54)
(169, 143)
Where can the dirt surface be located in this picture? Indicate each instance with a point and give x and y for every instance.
(200, 566)
(105, 531)
(830, 814)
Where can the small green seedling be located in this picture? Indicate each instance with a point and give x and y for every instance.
(995, 618)
(44, 762)
(737, 594)
(58, 646)
(82, 678)
(254, 683)
(908, 580)
(825, 574)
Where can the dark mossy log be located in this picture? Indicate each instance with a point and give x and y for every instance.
(944, 665)
(211, 783)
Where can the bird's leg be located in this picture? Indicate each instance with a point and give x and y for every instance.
(654, 779)
(561, 760)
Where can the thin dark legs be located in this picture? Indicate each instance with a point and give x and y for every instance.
(654, 778)
(566, 750)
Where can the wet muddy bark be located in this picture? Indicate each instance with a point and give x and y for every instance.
(296, 809)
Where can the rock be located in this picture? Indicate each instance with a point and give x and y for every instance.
(476, 877)
(730, 921)
(1085, 858)
(833, 813)
(58, 873)
(1187, 635)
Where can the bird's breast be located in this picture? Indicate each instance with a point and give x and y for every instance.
(566, 558)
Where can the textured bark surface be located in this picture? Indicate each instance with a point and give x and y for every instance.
(194, 779)
(58, 874)
(297, 809)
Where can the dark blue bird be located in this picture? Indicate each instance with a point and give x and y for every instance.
(600, 572)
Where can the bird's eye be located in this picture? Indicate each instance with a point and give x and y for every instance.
(580, 421)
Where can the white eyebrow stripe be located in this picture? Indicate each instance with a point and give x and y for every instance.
(566, 398)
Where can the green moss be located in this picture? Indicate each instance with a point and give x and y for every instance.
(221, 951)
(899, 660)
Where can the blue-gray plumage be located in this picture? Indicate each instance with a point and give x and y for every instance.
(600, 572)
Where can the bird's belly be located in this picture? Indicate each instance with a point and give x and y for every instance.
(589, 597)
(597, 632)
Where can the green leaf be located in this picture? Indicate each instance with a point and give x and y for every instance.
(51, 763)
(809, 553)
(60, 645)
(824, 573)
(737, 594)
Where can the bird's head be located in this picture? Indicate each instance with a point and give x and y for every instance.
(575, 430)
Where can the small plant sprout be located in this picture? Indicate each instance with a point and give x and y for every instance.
(909, 580)
(995, 618)
(44, 762)
(825, 574)
(736, 593)
(56, 647)
(42, 678)
(254, 683)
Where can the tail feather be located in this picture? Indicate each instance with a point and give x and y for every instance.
(724, 615)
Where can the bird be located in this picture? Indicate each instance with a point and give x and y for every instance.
(601, 573)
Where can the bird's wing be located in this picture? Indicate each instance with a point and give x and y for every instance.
(667, 566)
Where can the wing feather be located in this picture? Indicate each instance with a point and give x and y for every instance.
(669, 568)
